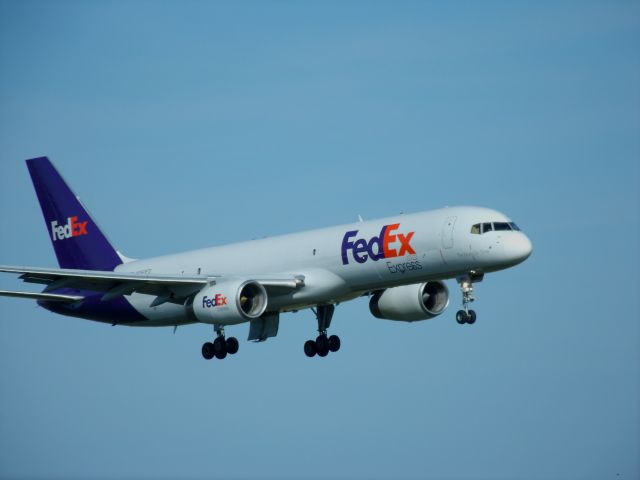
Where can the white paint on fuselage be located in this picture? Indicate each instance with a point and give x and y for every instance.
(443, 243)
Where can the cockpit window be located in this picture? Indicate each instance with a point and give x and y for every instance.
(501, 226)
(479, 228)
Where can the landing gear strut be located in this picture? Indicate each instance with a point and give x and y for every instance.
(221, 346)
(466, 287)
(322, 345)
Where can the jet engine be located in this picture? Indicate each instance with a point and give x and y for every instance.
(410, 302)
(228, 302)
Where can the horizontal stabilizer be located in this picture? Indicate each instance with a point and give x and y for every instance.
(49, 297)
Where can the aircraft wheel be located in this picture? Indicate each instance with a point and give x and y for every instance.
(461, 317)
(310, 348)
(220, 348)
(232, 345)
(221, 355)
(471, 319)
(334, 343)
(322, 345)
(207, 351)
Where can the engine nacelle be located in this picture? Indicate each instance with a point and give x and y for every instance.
(410, 302)
(228, 302)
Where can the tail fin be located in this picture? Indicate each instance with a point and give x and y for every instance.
(76, 239)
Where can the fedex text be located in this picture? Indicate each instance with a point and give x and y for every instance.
(73, 228)
(388, 244)
(217, 301)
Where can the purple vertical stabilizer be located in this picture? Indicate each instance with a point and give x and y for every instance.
(76, 239)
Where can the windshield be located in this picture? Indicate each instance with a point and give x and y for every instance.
(480, 228)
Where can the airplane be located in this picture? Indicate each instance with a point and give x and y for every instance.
(400, 263)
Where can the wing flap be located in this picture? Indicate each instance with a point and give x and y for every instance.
(264, 327)
(285, 283)
(50, 297)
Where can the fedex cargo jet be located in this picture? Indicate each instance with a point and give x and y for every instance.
(399, 263)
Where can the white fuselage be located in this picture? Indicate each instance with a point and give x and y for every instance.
(342, 262)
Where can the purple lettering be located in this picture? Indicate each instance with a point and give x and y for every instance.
(347, 245)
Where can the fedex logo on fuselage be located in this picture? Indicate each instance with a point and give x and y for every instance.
(217, 301)
(386, 245)
(73, 228)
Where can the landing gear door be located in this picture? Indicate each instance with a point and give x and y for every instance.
(447, 232)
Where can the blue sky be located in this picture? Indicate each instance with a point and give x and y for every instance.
(189, 124)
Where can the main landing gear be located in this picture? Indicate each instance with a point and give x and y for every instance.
(221, 346)
(466, 287)
(322, 345)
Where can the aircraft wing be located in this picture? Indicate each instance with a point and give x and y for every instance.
(51, 297)
(166, 288)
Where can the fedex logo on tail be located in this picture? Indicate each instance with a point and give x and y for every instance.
(386, 245)
(73, 228)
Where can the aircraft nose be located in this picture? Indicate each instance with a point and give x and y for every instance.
(517, 247)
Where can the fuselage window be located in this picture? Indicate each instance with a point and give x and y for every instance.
(475, 228)
(514, 227)
(486, 227)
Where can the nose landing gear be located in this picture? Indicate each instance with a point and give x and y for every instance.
(466, 287)
(221, 346)
(466, 316)
(322, 345)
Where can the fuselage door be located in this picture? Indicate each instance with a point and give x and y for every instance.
(447, 232)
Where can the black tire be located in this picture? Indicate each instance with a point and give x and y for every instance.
(310, 348)
(232, 345)
(334, 343)
(461, 317)
(207, 351)
(221, 355)
(220, 348)
(321, 342)
(322, 346)
(471, 319)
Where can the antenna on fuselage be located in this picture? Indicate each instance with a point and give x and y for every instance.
(360, 218)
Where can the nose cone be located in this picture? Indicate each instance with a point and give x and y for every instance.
(517, 247)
